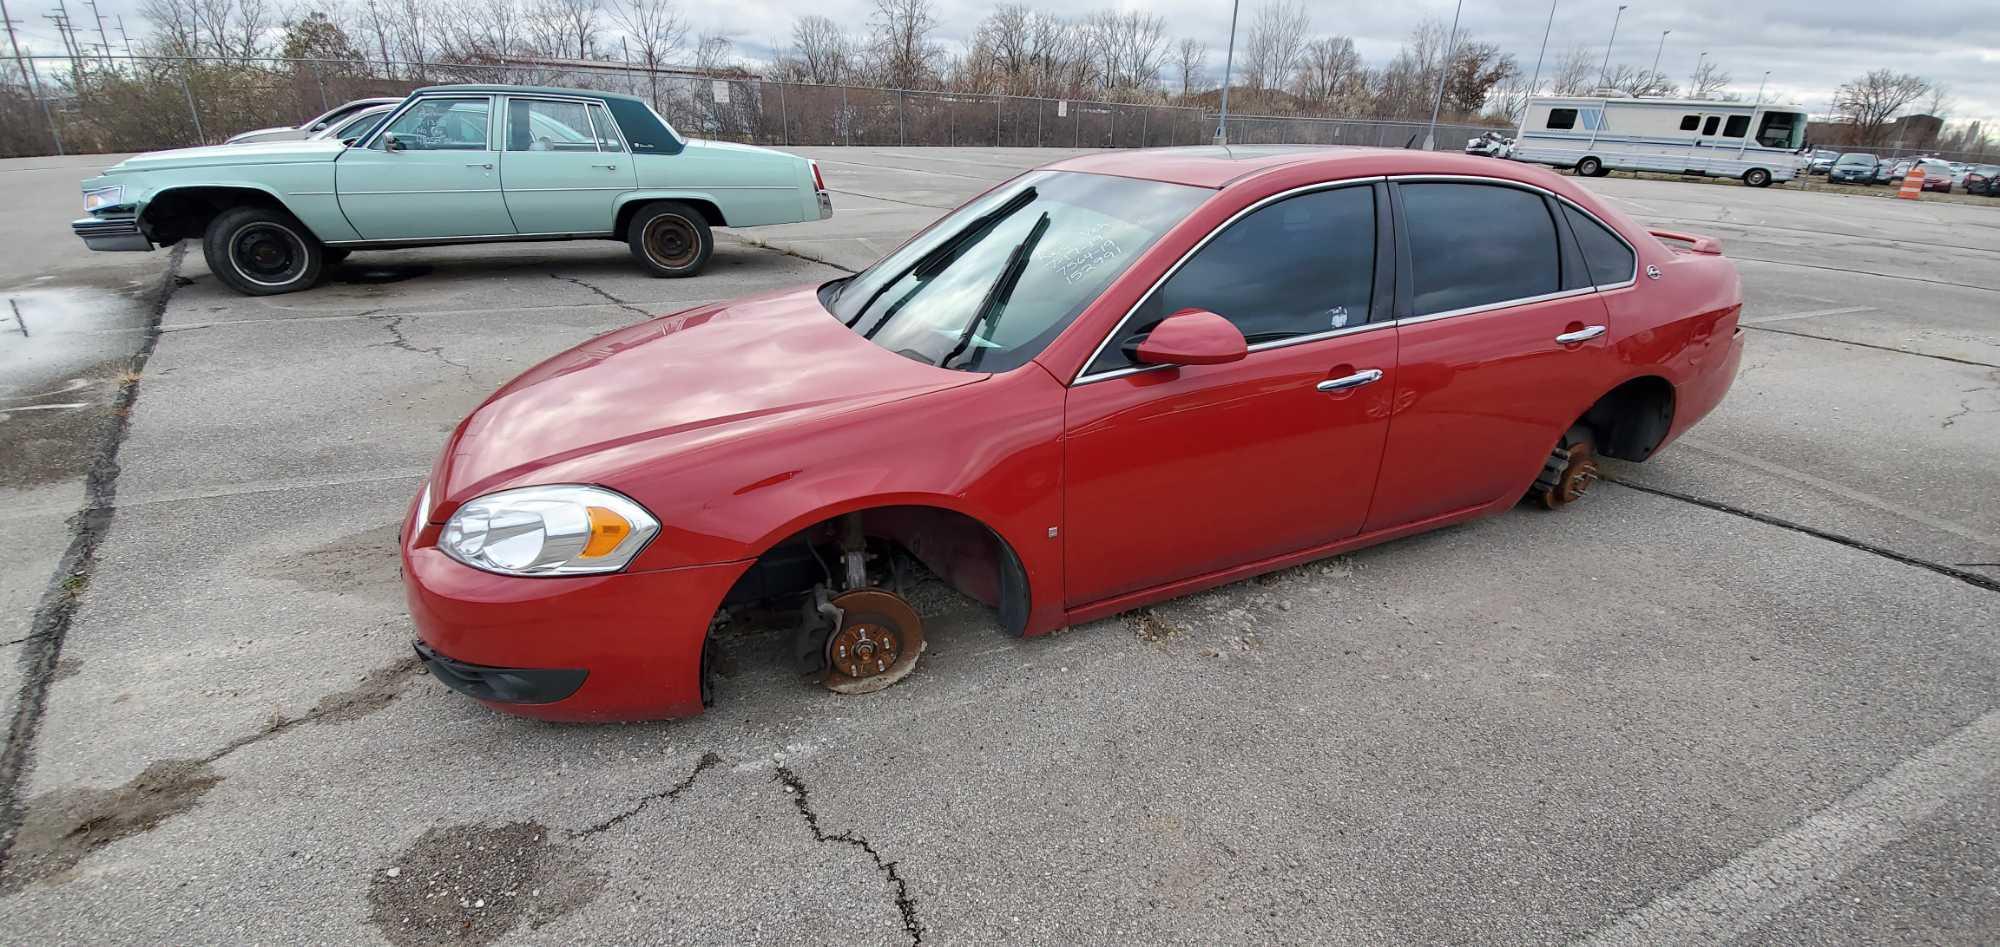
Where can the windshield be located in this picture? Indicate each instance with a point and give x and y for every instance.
(988, 287)
(1856, 159)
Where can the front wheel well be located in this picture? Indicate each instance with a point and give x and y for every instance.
(1631, 420)
(184, 213)
(708, 210)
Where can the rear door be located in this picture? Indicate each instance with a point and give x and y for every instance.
(1496, 358)
(564, 165)
(442, 180)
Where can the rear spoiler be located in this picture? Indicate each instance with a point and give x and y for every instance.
(1696, 242)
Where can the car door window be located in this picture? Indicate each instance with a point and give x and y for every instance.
(1609, 260)
(547, 125)
(1478, 244)
(1302, 266)
(607, 133)
(441, 124)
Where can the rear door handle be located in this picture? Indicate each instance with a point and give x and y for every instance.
(1356, 380)
(607, 167)
(487, 166)
(1584, 334)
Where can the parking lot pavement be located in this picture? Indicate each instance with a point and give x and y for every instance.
(1748, 691)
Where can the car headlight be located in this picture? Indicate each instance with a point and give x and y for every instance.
(97, 199)
(554, 530)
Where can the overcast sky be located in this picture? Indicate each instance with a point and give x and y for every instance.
(1809, 46)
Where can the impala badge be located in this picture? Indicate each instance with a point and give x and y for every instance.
(1652, 272)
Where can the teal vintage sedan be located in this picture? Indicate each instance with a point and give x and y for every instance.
(452, 164)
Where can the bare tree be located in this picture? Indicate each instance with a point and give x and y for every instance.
(566, 29)
(713, 54)
(1711, 83)
(1871, 102)
(1639, 83)
(655, 29)
(1130, 48)
(1939, 101)
(1276, 40)
(1574, 73)
(905, 56)
(821, 51)
(1330, 72)
(1191, 61)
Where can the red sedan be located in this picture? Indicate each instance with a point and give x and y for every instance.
(1113, 380)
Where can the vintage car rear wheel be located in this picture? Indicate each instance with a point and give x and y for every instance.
(259, 251)
(671, 238)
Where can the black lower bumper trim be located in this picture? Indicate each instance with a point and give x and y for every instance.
(503, 685)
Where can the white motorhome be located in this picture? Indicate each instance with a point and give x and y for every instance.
(1756, 143)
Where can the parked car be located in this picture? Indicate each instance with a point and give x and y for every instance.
(450, 165)
(354, 126)
(1116, 379)
(1491, 145)
(1893, 172)
(1937, 175)
(1821, 160)
(1983, 179)
(1852, 168)
(309, 128)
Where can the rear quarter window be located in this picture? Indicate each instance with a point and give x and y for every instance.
(1608, 259)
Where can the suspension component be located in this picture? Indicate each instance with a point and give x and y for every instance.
(1569, 471)
(875, 641)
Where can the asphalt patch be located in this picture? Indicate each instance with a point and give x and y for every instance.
(63, 826)
(365, 561)
(471, 884)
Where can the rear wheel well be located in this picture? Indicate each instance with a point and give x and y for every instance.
(1632, 419)
(185, 212)
(709, 212)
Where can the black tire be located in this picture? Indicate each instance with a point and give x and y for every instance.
(334, 255)
(670, 239)
(1757, 177)
(260, 251)
(1590, 168)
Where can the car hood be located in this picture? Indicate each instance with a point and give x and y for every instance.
(673, 384)
(248, 153)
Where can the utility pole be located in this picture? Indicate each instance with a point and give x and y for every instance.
(1656, 55)
(1694, 81)
(1532, 83)
(1228, 63)
(8, 19)
(103, 41)
(1444, 69)
(127, 36)
(1604, 72)
(1760, 87)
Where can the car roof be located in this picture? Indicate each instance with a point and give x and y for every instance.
(525, 89)
(1218, 166)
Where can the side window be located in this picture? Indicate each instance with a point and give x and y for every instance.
(545, 125)
(1477, 244)
(1301, 266)
(607, 133)
(1690, 122)
(442, 124)
(1562, 118)
(1739, 125)
(1609, 260)
(1775, 131)
(1708, 127)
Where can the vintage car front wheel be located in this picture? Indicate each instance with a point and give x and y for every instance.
(671, 239)
(259, 251)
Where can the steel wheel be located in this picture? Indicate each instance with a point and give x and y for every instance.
(267, 253)
(876, 645)
(672, 242)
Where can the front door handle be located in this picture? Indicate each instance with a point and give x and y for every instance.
(1356, 380)
(488, 166)
(607, 167)
(1584, 334)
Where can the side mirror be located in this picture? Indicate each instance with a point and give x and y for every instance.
(1192, 337)
(390, 142)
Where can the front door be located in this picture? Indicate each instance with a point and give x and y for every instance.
(564, 166)
(1492, 351)
(1174, 472)
(439, 177)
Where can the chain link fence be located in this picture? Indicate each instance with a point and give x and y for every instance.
(140, 103)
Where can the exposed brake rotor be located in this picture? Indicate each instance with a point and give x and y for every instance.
(877, 643)
(1568, 475)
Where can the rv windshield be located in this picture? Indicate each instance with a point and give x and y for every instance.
(1782, 130)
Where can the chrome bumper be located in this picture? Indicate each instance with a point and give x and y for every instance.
(825, 205)
(111, 233)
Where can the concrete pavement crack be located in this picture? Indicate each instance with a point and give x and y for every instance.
(905, 904)
(397, 340)
(64, 592)
(1970, 578)
(620, 303)
(672, 792)
(1870, 345)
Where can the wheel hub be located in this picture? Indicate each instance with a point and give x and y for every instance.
(877, 643)
(1575, 477)
(671, 242)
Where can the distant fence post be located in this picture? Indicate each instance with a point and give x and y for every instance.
(999, 102)
(899, 118)
(784, 123)
(846, 123)
(194, 113)
(320, 80)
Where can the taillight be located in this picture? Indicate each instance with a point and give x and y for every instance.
(819, 183)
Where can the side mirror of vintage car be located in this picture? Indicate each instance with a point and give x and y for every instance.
(1192, 337)
(390, 142)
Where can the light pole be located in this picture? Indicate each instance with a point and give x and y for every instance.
(1760, 87)
(1228, 62)
(1544, 51)
(1694, 81)
(1657, 52)
(1604, 72)
(1444, 68)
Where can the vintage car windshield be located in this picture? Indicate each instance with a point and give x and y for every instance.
(988, 287)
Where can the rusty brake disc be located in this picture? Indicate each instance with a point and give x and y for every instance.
(877, 643)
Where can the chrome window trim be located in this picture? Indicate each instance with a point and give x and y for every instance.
(1259, 347)
(379, 130)
(597, 105)
(1585, 211)
(588, 115)
(1488, 307)
(1084, 379)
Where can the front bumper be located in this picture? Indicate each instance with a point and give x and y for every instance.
(111, 233)
(625, 646)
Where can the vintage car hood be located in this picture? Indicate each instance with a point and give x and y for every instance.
(256, 152)
(672, 384)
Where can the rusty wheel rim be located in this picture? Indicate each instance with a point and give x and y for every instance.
(877, 643)
(672, 242)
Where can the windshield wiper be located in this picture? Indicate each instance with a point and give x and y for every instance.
(1003, 287)
(946, 252)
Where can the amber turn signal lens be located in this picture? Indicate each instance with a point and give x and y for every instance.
(607, 530)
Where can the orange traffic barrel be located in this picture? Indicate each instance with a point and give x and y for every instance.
(1913, 183)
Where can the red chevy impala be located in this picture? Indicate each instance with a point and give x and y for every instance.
(1113, 380)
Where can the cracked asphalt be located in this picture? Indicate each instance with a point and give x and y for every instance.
(1745, 691)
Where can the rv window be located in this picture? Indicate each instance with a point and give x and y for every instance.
(1708, 127)
(1562, 118)
(1738, 126)
(1780, 130)
(1690, 122)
